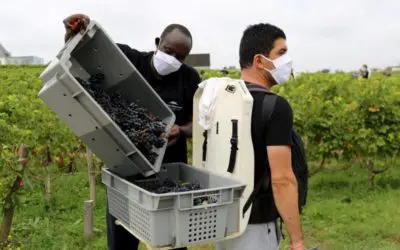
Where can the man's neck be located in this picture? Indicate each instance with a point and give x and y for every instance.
(250, 75)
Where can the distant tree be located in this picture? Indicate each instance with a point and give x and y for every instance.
(326, 71)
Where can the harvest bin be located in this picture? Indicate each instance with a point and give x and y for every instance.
(87, 54)
(176, 219)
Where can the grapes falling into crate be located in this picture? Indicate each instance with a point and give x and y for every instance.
(99, 94)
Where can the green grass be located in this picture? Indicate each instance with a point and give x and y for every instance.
(341, 213)
(344, 214)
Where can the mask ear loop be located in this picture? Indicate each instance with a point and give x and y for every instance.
(269, 70)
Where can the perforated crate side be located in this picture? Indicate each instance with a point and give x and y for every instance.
(118, 205)
(202, 225)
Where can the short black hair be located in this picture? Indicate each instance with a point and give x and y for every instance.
(179, 27)
(258, 39)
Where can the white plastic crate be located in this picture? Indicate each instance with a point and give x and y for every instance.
(177, 219)
(87, 54)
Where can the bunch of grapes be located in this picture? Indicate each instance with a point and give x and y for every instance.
(142, 128)
(167, 186)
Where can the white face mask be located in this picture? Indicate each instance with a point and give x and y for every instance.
(283, 68)
(164, 63)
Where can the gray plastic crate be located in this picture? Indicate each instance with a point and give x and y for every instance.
(176, 219)
(87, 54)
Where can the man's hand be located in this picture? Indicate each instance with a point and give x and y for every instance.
(173, 135)
(74, 24)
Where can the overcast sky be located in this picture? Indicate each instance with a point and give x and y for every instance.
(336, 34)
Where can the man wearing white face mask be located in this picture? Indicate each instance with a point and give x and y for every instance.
(264, 63)
(176, 84)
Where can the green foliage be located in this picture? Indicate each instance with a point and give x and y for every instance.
(341, 117)
(24, 118)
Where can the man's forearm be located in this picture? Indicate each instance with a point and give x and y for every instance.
(286, 201)
(186, 129)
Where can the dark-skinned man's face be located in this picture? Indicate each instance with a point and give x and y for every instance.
(175, 44)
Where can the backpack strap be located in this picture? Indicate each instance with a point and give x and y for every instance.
(234, 146)
(267, 109)
(205, 145)
(234, 138)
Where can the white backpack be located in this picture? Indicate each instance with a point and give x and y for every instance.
(222, 143)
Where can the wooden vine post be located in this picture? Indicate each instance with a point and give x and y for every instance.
(92, 175)
(88, 219)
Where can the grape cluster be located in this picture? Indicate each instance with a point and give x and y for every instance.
(142, 128)
(167, 186)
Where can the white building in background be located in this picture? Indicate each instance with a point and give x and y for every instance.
(7, 59)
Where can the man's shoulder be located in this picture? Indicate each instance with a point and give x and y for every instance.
(282, 101)
(190, 71)
(282, 107)
(128, 50)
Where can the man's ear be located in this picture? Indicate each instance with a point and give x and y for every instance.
(157, 41)
(258, 62)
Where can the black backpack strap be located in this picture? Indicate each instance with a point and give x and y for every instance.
(268, 107)
(205, 145)
(234, 146)
(234, 138)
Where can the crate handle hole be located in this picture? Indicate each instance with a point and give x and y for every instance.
(96, 127)
(64, 94)
(93, 139)
(117, 149)
(69, 115)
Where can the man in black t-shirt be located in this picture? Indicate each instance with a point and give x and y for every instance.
(174, 82)
(264, 62)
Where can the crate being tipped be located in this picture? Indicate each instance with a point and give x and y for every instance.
(94, 89)
(179, 206)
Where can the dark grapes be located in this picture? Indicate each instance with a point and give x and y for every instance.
(142, 128)
(167, 186)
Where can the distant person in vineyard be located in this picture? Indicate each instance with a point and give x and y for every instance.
(176, 84)
(365, 72)
(264, 63)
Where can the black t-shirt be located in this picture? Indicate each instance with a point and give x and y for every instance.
(176, 89)
(276, 132)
